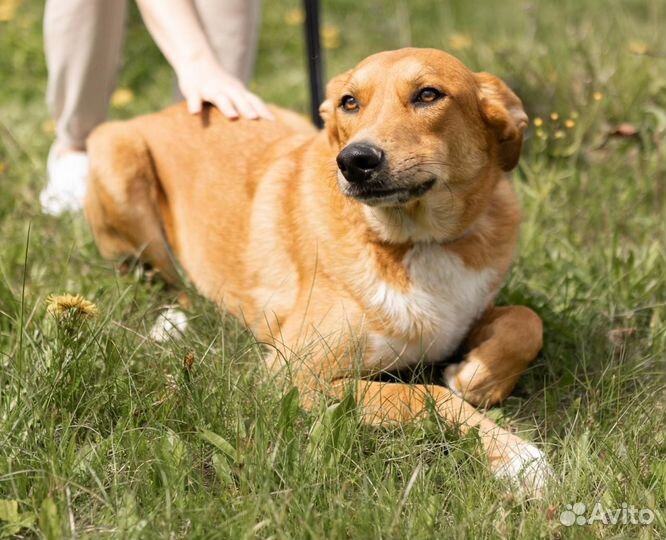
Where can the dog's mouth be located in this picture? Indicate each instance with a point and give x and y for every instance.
(382, 196)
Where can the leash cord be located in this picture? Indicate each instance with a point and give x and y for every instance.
(315, 68)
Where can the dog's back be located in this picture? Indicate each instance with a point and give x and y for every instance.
(136, 183)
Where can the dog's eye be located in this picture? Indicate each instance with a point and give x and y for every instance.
(349, 103)
(428, 95)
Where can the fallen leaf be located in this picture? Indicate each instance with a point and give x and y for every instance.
(619, 336)
(625, 129)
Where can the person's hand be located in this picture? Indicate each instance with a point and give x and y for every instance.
(177, 31)
(204, 81)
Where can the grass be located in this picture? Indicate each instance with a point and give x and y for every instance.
(105, 434)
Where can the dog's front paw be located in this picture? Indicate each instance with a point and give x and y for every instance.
(472, 381)
(526, 467)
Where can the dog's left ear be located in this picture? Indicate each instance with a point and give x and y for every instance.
(503, 111)
(327, 108)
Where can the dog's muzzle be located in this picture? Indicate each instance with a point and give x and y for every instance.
(364, 176)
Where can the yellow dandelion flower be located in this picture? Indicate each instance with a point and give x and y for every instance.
(3, 167)
(330, 36)
(554, 116)
(597, 96)
(121, 98)
(570, 124)
(460, 41)
(541, 134)
(62, 305)
(8, 9)
(636, 46)
(48, 127)
(538, 121)
(559, 134)
(294, 17)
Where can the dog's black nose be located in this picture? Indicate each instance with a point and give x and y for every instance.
(358, 161)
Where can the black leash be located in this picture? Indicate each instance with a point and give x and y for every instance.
(315, 69)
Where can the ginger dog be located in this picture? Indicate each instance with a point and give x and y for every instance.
(375, 244)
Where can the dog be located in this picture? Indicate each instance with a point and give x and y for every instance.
(377, 243)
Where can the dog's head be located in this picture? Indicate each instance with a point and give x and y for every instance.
(421, 140)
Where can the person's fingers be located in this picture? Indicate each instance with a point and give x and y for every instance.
(260, 107)
(243, 104)
(194, 103)
(226, 106)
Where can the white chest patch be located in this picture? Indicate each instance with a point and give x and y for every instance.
(434, 315)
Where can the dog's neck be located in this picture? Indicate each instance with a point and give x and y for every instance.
(413, 223)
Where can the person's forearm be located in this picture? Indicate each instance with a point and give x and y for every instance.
(176, 30)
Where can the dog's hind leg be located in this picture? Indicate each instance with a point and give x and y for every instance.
(122, 199)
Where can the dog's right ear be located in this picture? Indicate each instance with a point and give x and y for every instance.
(327, 108)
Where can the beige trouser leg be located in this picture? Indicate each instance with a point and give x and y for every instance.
(83, 40)
(231, 27)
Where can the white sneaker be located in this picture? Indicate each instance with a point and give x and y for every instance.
(66, 186)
